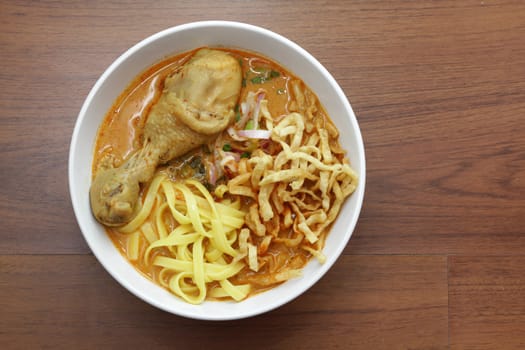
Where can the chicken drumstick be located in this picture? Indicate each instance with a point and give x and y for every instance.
(196, 104)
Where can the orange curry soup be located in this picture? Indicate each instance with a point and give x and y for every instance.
(120, 136)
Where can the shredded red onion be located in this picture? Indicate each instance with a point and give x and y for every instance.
(255, 134)
(235, 156)
(245, 116)
(260, 96)
(235, 134)
(212, 174)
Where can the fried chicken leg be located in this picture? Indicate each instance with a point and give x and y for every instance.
(196, 104)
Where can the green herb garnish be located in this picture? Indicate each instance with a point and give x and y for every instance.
(264, 75)
(249, 125)
(258, 80)
(227, 147)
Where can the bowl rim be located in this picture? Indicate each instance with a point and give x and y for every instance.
(359, 193)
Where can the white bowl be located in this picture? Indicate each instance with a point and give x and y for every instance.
(177, 40)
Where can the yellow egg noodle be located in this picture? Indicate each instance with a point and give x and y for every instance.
(194, 238)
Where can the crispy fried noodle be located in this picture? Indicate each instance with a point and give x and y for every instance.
(301, 187)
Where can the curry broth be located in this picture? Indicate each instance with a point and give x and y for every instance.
(120, 132)
(120, 135)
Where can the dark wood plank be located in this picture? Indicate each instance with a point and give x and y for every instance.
(443, 131)
(365, 302)
(487, 303)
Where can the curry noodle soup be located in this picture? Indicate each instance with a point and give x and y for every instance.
(243, 205)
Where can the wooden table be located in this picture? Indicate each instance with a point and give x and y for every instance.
(438, 258)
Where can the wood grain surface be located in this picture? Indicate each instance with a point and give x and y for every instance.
(437, 259)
